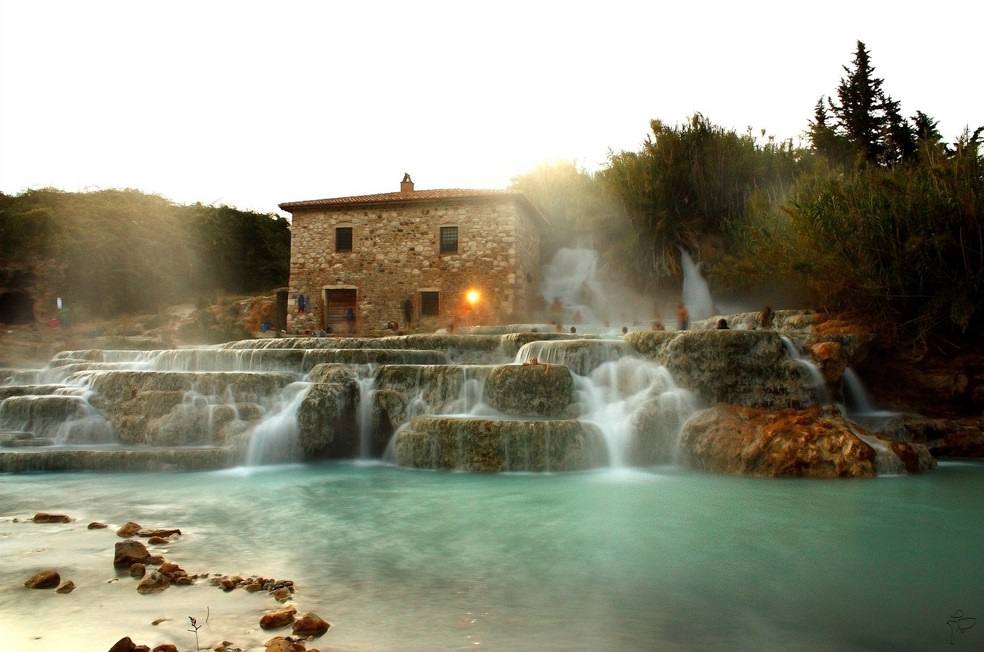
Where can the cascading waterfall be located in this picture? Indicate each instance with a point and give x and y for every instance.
(366, 381)
(571, 276)
(818, 383)
(696, 293)
(275, 438)
(616, 394)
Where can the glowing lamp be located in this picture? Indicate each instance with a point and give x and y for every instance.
(472, 297)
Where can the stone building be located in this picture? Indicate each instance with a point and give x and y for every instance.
(437, 256)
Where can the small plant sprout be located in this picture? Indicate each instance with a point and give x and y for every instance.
(195, 626)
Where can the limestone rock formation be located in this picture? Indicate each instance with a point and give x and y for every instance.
(581, 356)
(154, 459)
(326, 420)
(530, 390)
(748, 368)
(785, 443)
(486, 445)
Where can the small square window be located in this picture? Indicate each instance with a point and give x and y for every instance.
(343, 238)
(449, 239)
(430, 304)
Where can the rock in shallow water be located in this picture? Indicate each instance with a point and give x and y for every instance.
(128, 529)
(46, 579)
(785, 443)
(278, 618)
(310, 625)
(42, 517)
(130, 552)
(153, 583)
(67, 587)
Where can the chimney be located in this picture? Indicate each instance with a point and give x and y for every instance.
(407, 184)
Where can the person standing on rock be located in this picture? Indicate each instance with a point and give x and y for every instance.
(683, 317)
(407, 311)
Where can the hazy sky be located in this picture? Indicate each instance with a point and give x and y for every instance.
(255, 103)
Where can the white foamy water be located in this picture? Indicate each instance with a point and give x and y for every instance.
(618, 393)
(275, 438)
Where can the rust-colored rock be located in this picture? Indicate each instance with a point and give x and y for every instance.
(162, 533)
(165, 647)
(282, 594)
(137, 571)
(96, 525)
(158, 541)
(831, 359)
(784, 443)
(123, 645)
(155, 560)
(42, 517)
(915, 457)
(130, 552)
(154, 583)
(227, 646)
(310, 625)
(46, 579)
(285, 644)
(67, 587)
(128, 529)
(279, 618)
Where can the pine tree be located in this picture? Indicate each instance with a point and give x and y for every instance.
(898, 136)
(858, 113)
(929, 140)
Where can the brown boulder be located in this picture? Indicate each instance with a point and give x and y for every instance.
(285, 644)
(67, 587)
(278, 618)
(162, 533)
(46, 579)
(165, 647)
(158, 541)
(130, 552)
(310, 625)
(96, 525)
(282, 594)
(154, 583)
(915, 457)
(42, 517)
(123, 645)
(137, 571)
(128, 529)
(784, 443)
(831, 359)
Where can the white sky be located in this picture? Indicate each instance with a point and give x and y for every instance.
(255, 103)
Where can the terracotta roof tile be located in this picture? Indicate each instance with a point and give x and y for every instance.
(385, 197)
(412, 196)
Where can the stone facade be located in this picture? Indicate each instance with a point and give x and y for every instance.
(396, 255)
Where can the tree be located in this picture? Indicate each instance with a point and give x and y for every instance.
(898, 136)
(859, 112)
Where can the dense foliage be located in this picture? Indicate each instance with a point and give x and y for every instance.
(877, 215)
(115, 251)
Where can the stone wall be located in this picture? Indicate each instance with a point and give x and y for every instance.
(395, 255)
